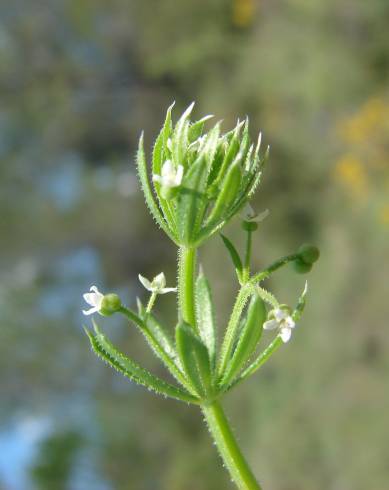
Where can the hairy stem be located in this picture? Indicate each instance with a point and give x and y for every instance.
(228, 448)
(186, 284)
(273, 267)
(247, 260)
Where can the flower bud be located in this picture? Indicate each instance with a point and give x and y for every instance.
(110, 304)
(309, 253)
(301, 267)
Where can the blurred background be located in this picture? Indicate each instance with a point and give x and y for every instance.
(79, 80)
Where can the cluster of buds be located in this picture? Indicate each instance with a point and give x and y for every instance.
(200, 179)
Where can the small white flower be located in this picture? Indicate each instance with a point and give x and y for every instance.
(94, 299)
(157, 285)
(281, 319)
(248, 214)
(170, 176)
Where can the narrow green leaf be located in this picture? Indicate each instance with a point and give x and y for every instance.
(167, 127)
(160, 334)
(298, 311)
(195, 359)
(217, 162)
(230, 155)
(229, 189)
(210, 145)
(150, 201)
(162, 346)
(205, 315)
(106, 351)
(248, 338)
(190, 207)
(234, 255)
(255, 365)
(196, 129)
(159, 157)
(268, 297)
(245, 142)
(180, 138)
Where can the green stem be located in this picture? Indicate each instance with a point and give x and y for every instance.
(247, 260)
(186, 284)
(229, 450)
(273, 267)
(151, 302)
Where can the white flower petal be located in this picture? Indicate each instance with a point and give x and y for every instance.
(145, 282)
(179, 175)
(157, 178)
(167, 169)
(280, 314)
(167, 290)
(90, 298)
(285, 334)
(159, 282)
(270, 325)
(261, 216)
(93, 299)
(90, 311)
(247, 213)
(289, 323)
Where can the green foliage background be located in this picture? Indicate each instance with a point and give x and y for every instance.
(79, 80)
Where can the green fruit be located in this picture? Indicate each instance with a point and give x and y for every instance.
(111, 304)
(301, 267)
(309, 253)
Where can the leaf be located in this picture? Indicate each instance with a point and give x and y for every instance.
(195, 359)
(268, 297)
(230, 155)
(150, 201)
(167, 127)
(205, 315)
(106, 351)
(245, 142)
(208, 149)
(298, 311)
(234, 255)
(248, 338)
(190, 200)
(161, 344)
(158, 154)
(257, 363)
(229, 189)
(196, 129)
(158, 159)
(181, 137)
(160, 334)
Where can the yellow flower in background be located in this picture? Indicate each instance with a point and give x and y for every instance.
(243, 12)
(364, 166)
(384, 215)
(350, 171)
(368, 123)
